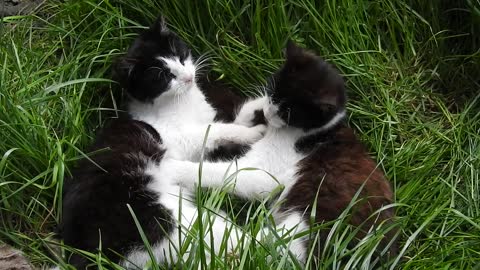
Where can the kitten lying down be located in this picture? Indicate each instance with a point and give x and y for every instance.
(169, 116)
(307, 148)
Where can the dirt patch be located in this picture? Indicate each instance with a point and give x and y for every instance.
(12, 259)
(18, 7)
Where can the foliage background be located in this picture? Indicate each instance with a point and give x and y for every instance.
(412, 70)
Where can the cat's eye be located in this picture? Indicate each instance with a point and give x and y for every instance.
(169, 75)
(184, 57)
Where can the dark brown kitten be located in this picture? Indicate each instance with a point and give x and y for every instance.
(309, 94)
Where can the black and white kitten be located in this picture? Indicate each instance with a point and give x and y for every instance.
(307, 148)
(159, 74)
(169, 117)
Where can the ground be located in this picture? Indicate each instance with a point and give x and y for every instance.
(12, 259)
(16, 7)
(411, 69)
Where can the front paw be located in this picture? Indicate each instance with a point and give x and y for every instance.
(174, 172)
(251, 113)
(255, 133)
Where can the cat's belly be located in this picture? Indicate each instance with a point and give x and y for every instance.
(276, 154)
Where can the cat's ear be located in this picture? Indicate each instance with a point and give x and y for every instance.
(124, 68)
(160, 25)
(292, 50)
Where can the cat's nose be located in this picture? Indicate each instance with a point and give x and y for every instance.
(188, 79)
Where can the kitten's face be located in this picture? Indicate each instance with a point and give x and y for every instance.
(158, 63)
(306, 92)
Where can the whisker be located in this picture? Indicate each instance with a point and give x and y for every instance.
(201, 62)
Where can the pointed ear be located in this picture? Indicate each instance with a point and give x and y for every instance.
(124, 68)
(160, 25)
(292, 50)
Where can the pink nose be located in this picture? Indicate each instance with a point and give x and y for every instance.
(188, 79)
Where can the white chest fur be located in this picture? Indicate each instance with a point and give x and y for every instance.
(276, 154)
(180, 120)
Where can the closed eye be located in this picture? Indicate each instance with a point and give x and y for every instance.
(159, 70)
(184, 57)
(170, 75)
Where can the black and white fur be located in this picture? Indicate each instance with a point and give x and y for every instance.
(305, 111)
(160, 74)
(169, 118)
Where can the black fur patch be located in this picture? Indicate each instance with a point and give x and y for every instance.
(95, 199)
(227, 152)
(140, 72)
(221, 96)
(259, 118)
(307, 90)
(309, 93)
(224, 99)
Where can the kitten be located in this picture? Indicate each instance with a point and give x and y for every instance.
(94, 200)
(169, 117)
(307, 148)
(159, 74)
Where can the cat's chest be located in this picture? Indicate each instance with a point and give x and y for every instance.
(276, 153)
(182, 139)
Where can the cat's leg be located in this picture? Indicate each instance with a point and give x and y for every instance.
(251, 112)
(221, 133)
(248, 128)
(249, 125)
(245, 181)
(219, 234)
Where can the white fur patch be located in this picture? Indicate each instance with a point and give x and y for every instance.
(182, 120)
(185, 213)
(184, 74)
(247, 111)
(271, 115)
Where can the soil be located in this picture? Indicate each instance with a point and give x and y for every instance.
(12, 259)
(18, 7)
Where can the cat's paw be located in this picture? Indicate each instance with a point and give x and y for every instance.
(251, 113)
(175, 172)
(271, 115)
(262, 129)
(173, 154)
(254, 134)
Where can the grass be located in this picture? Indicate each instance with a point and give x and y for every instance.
(411, 68)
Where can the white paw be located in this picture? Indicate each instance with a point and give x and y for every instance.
(246, 115)
(165, 170)
(173, 154)
(271, 115)
(254, 134)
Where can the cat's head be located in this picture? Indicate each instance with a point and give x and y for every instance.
(158, 63)
(306, 92)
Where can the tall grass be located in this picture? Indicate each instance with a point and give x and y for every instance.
(411, 68)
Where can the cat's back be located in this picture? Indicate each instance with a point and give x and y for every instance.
(338, 167)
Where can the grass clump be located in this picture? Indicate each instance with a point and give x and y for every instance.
(411, 68)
